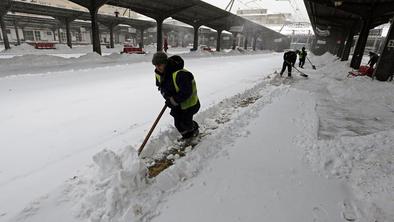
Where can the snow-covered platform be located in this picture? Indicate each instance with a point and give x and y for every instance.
(315, 149)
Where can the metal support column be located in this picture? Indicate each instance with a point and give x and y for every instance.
(18, 39)
(195, 41)
(111, 36)
(360, 47)
(234, 41)
(385, 65)
(159, 23)
(4, 33)
(348, 46)
(141, 44)
(246, 42)
(68, 33)
(218, 40)
(95, 31)
(254, 42)
(59, 35)
(23, 33)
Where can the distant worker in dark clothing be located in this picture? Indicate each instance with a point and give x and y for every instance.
(302, 56)
(373, 59)
(178, 87)
(290, 59)
(165, 47)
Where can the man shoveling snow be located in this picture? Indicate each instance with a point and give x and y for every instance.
(178, 87)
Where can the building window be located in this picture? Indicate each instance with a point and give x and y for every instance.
(29, 36)
(63, 37)
(37, 35)
(78, 36)
(49, 33)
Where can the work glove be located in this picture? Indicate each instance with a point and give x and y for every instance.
(170, 102)
(164, 94)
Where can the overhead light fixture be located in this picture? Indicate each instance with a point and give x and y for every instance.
(337, 3)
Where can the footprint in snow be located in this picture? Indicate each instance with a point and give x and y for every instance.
(319, 215)
(348, 211)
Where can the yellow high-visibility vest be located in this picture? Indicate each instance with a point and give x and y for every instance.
(193, 99)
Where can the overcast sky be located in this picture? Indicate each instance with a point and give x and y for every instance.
(296, 7)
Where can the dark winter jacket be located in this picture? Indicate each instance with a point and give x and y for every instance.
(183, 80)
(290, 57)
(373, 60)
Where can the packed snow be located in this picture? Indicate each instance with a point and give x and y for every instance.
(315, 149)
(356, 134)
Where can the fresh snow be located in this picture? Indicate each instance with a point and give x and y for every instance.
(316, 149)
(67, 116)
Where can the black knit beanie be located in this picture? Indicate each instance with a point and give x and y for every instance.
(159, 58)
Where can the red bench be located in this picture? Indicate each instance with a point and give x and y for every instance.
(44, 45)
(208, 49)
(132, 50)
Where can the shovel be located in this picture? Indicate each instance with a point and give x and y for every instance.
(313, 66)
(151, 129)
(301, 73)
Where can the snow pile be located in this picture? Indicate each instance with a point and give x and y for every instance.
(26, 48)
(52, 63)
(111, 193)
(49, 63)
(326, 59)
(66, 48)
(30, 60)
(22, 48)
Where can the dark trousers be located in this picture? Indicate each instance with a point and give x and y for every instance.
(288, 65)
(183, 119)
(302, 63)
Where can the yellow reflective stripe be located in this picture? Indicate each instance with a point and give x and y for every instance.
(158, 77)
(193, 99)
(174, 79)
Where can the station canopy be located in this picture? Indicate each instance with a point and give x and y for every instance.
(345, 14)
